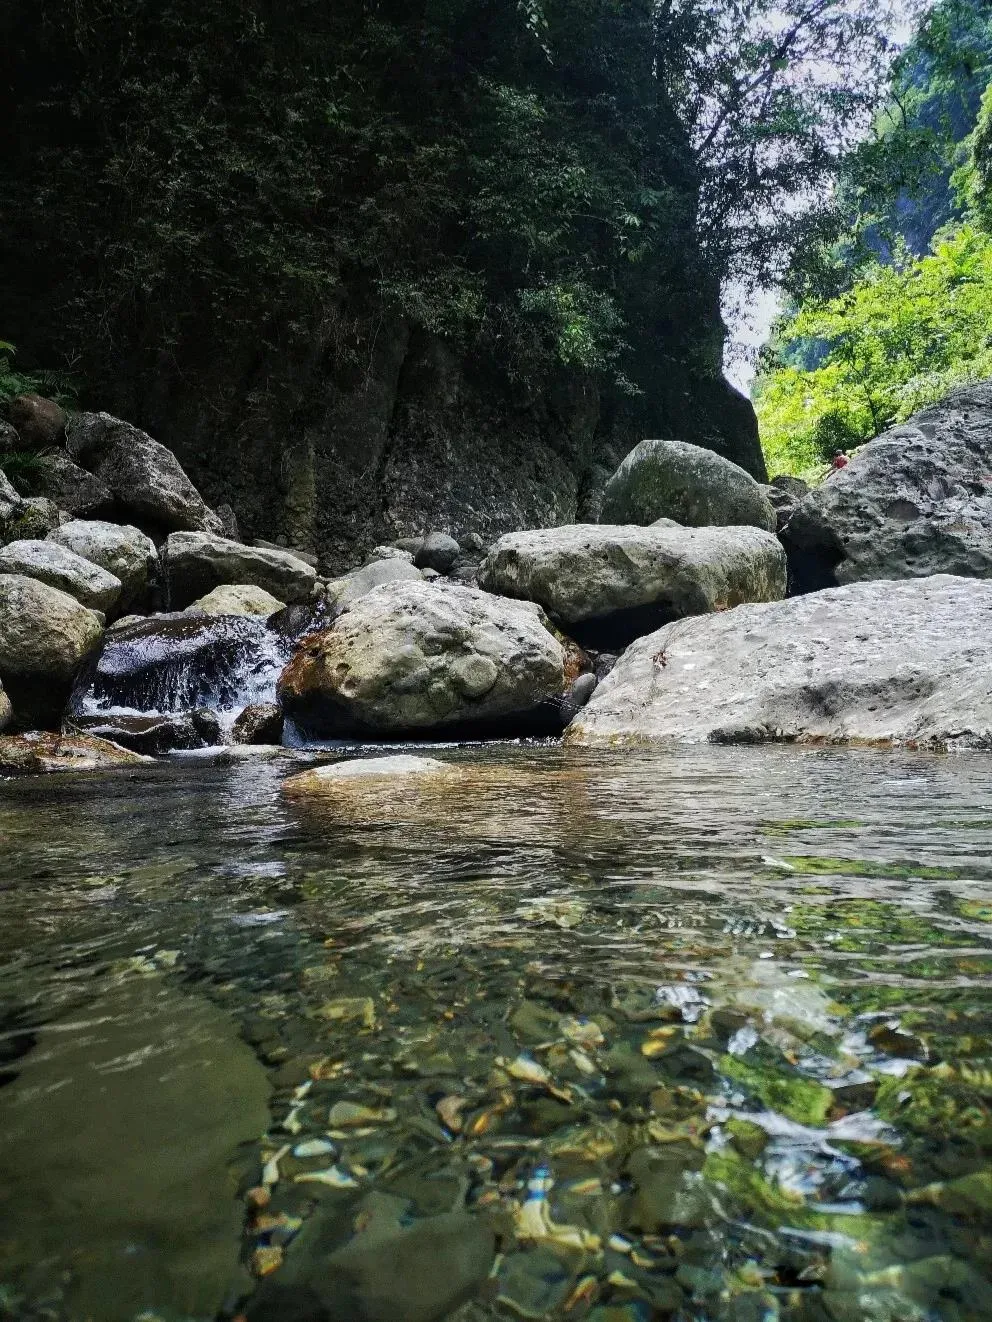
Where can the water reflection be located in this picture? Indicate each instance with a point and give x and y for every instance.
(696, 1035)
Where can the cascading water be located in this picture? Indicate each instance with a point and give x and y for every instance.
(179, 663)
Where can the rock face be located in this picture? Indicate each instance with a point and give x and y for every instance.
(237, 599)
(44, 635)
(148, 482)
(38, 422)
(672, 480)
(79, 493)
(915, 501)
(904, 663)
(196, 563)
(56, 565)
(412, 658)
(41, 752)
(120, 549)
(178, 663)
(607, 584)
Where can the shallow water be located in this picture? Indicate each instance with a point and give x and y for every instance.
(702, 1035)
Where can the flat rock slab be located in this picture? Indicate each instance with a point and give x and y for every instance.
(906, 663)
(587, 572)
(42, 753)
(915, 501)
(333, 775)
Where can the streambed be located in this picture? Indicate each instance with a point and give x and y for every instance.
(700, 1034)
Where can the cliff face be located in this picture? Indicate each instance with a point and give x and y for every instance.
(366, 273)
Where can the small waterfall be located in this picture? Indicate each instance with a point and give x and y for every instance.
(177, 663)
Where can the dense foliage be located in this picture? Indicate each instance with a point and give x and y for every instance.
(543, 183)
(892, 307)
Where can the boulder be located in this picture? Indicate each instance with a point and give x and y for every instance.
(334, 775)
(260, 723)
(9, 496)
(179, 663)
(388, 553)
(147, 480)
(27, 518)
(72, 489)
(44, 635)
(42, 752)
(195, 563)
(438, 551)
(155, 734)
(349, 587)
(885, 662)
(307, 557)
(606, 584)
(237, 599)
(412, 659)
(693, 486)
(6, 709)
(120, 549)
(9, 439)
(56, 565)
(915, 501)
(39, 423)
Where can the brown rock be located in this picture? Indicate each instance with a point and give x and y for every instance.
(261, 723)
(39, 422)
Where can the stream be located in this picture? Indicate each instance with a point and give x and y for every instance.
(701, 1034)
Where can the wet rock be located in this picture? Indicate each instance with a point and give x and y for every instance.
(895, 1041)
(43, 752)
(415, 658)
(303, 617)
(438, 551)
(666, 1191)
(178, 663)
(696, 487)
(148, 482)
(237, 599)
(915, 501)
(969, 1196)
(334, 774)
(44, 636)
(56, 565)
(350, 587)
(120, 549)
(155, 735)
(261, 723)
(195, 563)
(874, 662)
(610, 584)
(71, 488)
(39, 422)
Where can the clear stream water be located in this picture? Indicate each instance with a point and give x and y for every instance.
(694, 1035)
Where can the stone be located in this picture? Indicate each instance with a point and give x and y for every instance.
(915, 501)
(44, 636)
(39, 422)
(44, 752)
(29, 518)
(349, 587)
(307, 556)
(56, 565)
(228, 523)
(195, 563)
(180, 663)
(902, 663)
(120, 549)
(417, 658)
(147, 480)
(237, 599)
(693, 486)
(72, 489)
(9, 439)
(155, 734)
(389, 553)
(6, 709)
(617, 582)
(333, 774)
(261, 723)
(439, 551)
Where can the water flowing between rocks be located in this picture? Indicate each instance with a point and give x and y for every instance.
(620, 1036)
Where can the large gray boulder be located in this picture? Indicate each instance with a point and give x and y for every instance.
(884, 662)
(609, 583)
(61, 568)
(148, 482)
(70, 487)
(349, 587)
(44, 636)
(417, 659)
(674, 480)
(196, 563)
(915, 501)
(120, 549)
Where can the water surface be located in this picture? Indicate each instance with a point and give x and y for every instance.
(701, 1035)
